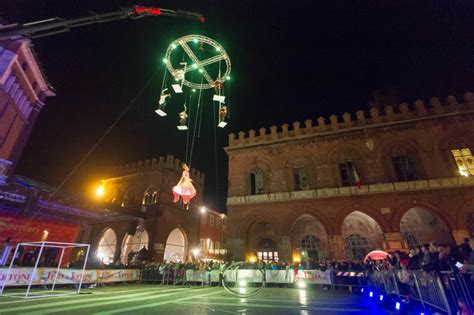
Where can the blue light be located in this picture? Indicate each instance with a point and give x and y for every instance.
(397, 305)
(381, 298)
(371, 294)
(362, 290)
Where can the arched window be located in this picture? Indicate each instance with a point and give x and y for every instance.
(301, 175)
(267, 250)
(403, 165)
(125, 201)
(348, 172)
(107, 246)
(256, 182)
(154, 197)
(464, 161)
(357, 246)
(310, 242)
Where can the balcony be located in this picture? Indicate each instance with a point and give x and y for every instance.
(418, 185)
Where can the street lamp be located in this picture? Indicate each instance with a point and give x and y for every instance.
(203, 209)
(100, 190)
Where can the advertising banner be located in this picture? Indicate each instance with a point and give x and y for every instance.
(22, 276)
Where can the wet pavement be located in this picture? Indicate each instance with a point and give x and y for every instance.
(159, 299)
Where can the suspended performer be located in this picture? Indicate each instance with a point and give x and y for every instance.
(184, 188)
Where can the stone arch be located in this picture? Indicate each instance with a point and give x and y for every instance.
(176, 245)
(294, 215)
(420, 226)
(309, 229)
(372, 213)
(299, 159)
(254, 217)
(134, 243)
(387, 149)
(346, 152)
(360, 234)
(443, 215)
(106, 246)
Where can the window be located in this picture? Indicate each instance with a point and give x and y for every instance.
(267, 250)
(202, 244)
(132, 244)
(107, 246)
(301, 178)
(464, 161)
(348, 172)
(256, 182)
(154, 197)
(357, 246)
(403, 167)
(125, 202)
(310, 242)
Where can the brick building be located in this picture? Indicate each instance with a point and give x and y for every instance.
(143, 192)
(387, 179)
(212, 234)
(23, 91)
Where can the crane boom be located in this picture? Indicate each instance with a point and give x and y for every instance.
(59, 25)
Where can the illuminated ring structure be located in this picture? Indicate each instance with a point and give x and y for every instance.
(239, 293)
(197, 64)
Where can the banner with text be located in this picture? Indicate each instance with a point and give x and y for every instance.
(22, 276)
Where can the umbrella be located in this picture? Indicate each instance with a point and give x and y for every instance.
(376, 255)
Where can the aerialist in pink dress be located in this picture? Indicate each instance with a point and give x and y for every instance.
(184, 188)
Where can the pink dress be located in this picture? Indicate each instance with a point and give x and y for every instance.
(185, 189)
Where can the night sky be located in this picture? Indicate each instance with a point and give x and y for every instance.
(291, 60)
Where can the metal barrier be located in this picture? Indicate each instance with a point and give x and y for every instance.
(443, 291)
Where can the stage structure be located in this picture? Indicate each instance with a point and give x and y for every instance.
(44, 278)
(198, 63)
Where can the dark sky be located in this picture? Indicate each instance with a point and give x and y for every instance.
(291, 60)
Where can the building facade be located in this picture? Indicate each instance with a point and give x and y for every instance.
(338, 189)
(142, 193)
(212, 232)
(23, 91)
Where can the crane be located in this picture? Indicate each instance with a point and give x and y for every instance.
(58, 25)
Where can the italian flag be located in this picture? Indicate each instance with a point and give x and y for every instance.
(358, 183)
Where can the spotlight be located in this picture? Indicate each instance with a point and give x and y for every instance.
(397, 305)
(203, 209)
(371, 294)
(381, 298)
(362, 290)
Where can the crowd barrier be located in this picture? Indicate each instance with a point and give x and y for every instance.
(441, 291)
(179, 276)
(45, 276)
